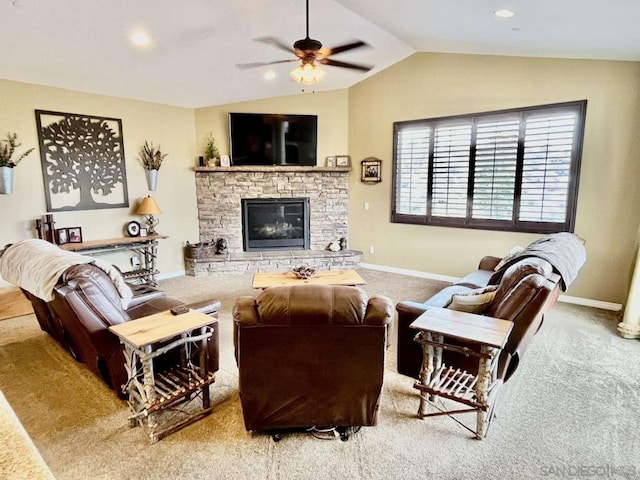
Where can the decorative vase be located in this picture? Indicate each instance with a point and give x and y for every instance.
(152, 179)
(6, 180)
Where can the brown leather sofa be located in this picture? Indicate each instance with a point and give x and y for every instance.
(528, 288)
(86, 303)
(310, 356)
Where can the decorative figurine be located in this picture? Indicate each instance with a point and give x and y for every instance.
(343, 243)
(334, 246)
(221, 246)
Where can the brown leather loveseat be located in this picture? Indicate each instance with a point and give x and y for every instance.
(310, 356)
(86, 303)
(528, 283)
(77, 298)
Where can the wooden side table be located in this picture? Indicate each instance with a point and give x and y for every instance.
(489, 335)
(146, 247)
(153, 394)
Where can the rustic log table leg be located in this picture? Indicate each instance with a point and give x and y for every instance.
(426, 371)
(204, 368)
(149, 383)
(484, 379)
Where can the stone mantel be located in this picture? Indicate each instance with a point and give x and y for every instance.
(271, 169)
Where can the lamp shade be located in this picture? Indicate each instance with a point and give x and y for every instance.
(148, 206)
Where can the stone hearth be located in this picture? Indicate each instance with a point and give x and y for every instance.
(219, 193)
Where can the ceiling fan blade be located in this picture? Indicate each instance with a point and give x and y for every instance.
(353, 66)
(244, 66)
(344, 48)
(276, 42)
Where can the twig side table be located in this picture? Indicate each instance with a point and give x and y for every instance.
(153, 393)
(488, 334)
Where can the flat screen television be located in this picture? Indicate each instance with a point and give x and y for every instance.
(272, 139)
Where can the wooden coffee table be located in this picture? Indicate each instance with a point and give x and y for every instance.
(324, 277)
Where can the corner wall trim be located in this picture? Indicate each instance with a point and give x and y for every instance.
(587, 302)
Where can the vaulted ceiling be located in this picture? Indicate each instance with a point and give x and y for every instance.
(195, 45)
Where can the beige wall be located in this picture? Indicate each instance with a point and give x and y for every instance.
(431, 85)
(331, 107)
(173, 128)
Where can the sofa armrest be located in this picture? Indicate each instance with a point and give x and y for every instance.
(489, 263)
(143, 293)
(379, 311)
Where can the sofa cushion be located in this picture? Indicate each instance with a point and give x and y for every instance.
(475, 301)
(443, 297)
(477, 279)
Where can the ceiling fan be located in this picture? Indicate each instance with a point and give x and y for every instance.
(309, 53)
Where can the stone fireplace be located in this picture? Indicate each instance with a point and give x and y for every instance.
(221, 210)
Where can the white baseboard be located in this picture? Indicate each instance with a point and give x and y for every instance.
(616, 307)
(164, 276)
(587, 302)
(411, 273)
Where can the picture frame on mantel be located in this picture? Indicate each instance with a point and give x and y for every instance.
(330, 162)
(343, 161)
(225, 161)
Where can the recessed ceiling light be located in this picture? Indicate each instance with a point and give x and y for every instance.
(503, 13)
(140, 39)
(269, 75)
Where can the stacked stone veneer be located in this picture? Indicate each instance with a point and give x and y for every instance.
(219, 191)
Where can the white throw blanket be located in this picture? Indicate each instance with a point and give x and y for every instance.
(36, 265)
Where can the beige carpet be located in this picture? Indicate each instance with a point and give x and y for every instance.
(573, 403)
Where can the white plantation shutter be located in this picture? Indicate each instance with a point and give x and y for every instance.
(512, 170)
(548, 147)
(412, 169)
(494, 181)
(451, 170)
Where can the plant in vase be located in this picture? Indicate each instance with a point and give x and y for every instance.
(151, 158)
(211, 153)
(7, 162)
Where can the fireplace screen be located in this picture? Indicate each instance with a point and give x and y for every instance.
(275, 223)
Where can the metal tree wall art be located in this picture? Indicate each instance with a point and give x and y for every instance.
(82, 161)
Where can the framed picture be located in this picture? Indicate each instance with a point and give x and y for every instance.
(75, 235)
(143, 232)
(62, 236)
(83, 165)
(343, 161)
(330, 161)
(371, 170)
(225, 161)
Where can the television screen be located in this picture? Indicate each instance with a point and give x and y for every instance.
(271, 139)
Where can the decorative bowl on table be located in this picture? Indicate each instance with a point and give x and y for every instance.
(304, 272)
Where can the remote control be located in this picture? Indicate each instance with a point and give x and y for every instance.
(179, 309)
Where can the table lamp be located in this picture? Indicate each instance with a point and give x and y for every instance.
(149, 208)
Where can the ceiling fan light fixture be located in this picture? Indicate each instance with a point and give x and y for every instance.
(307, 74)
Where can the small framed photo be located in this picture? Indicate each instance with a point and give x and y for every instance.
(371, 170)
(343, 161)
(75, 235)
(62, 236)
(330, 161)
(144, 232)
(225, 161)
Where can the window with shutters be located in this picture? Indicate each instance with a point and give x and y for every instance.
(511, 170)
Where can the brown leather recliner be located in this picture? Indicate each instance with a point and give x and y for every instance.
(310, 355)
(86, 303)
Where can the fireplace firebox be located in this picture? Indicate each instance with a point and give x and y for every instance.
(275, 224)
